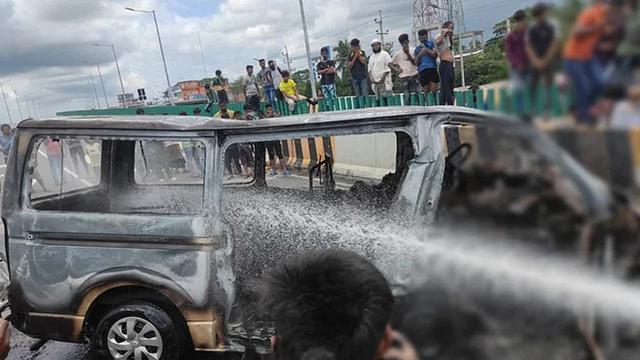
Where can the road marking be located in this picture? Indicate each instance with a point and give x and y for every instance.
(85, 182)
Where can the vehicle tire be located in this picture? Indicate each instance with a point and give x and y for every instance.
(143, 327)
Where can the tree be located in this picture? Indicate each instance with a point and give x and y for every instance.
(343, 54)
(303, 81)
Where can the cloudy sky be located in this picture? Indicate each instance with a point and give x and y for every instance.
(46, 50)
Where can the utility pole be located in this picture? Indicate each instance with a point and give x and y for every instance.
(285, 53)
(461, 59)
(4, 96)
(381, 32)
(314, 93)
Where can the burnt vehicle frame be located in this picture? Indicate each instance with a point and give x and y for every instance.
(103, 260)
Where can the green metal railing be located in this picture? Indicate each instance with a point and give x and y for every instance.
(499, 100)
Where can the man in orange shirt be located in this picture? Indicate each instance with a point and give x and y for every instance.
(578, 57)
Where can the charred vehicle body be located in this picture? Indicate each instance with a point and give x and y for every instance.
(126, 257)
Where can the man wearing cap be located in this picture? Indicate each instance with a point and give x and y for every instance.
(379, 70)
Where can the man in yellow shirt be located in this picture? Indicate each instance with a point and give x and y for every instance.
(289, 90)
(224, 113)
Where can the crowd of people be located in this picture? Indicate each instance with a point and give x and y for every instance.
(428, 67)
(599, 59)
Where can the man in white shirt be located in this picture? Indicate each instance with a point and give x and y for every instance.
(379, 70)
(404, 63)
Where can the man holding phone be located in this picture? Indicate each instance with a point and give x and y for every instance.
(426, 55)
(444, 46)
(358, 66)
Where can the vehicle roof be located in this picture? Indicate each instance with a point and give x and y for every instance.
(198, 123)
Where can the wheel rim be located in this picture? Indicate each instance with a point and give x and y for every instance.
(134, 338)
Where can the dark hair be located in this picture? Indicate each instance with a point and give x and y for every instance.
(269, 106)
(261, 60)
(614, 92)
(183, 113)
(249, 67)
(447, 23)
(285, 73)
(402, 38)
(519, 15)
(218, 72)
(325, 48)
(270, 61)
(355, 42)
(539, 9)
(207, 86)
(332, 301)
(197, 111)
(423, 32)
(5, 126)
(139, 111)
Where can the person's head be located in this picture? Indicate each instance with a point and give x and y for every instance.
(272, 64)
(269, 109)
(376, 46)
(404, 41)
(539, 12)
(262, 63)
(139, 111)
(520, 19)
(207, 86)
(285, 75)
(331, 301)
(355, 44)
(249, 70)
(324, 52)
(223, 106)
(448, 25)
(218, 72)
(423, 35)
(6, 129)
(183, 113)
(237, 115)
(197, 111)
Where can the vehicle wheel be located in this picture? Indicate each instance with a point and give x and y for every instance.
(140, 331)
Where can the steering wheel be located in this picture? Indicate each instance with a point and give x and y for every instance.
(450, 166)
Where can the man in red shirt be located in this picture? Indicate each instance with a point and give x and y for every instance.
(578, 58)
(517, 55)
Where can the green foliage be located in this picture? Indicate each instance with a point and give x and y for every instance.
(302, 79)
(484, 68)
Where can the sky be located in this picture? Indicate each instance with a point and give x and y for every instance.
(47, 56)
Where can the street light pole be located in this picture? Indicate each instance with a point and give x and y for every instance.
(19, 107)
(95, 92)
(312, 77)
(164, 61)
(104, 92)
(4, 96)
(115, 57)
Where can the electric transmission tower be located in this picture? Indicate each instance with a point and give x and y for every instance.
(426, 15)
(453, 10)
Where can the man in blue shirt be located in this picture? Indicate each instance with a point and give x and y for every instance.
(425, 55)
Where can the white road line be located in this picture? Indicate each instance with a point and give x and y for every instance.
(85, 182)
